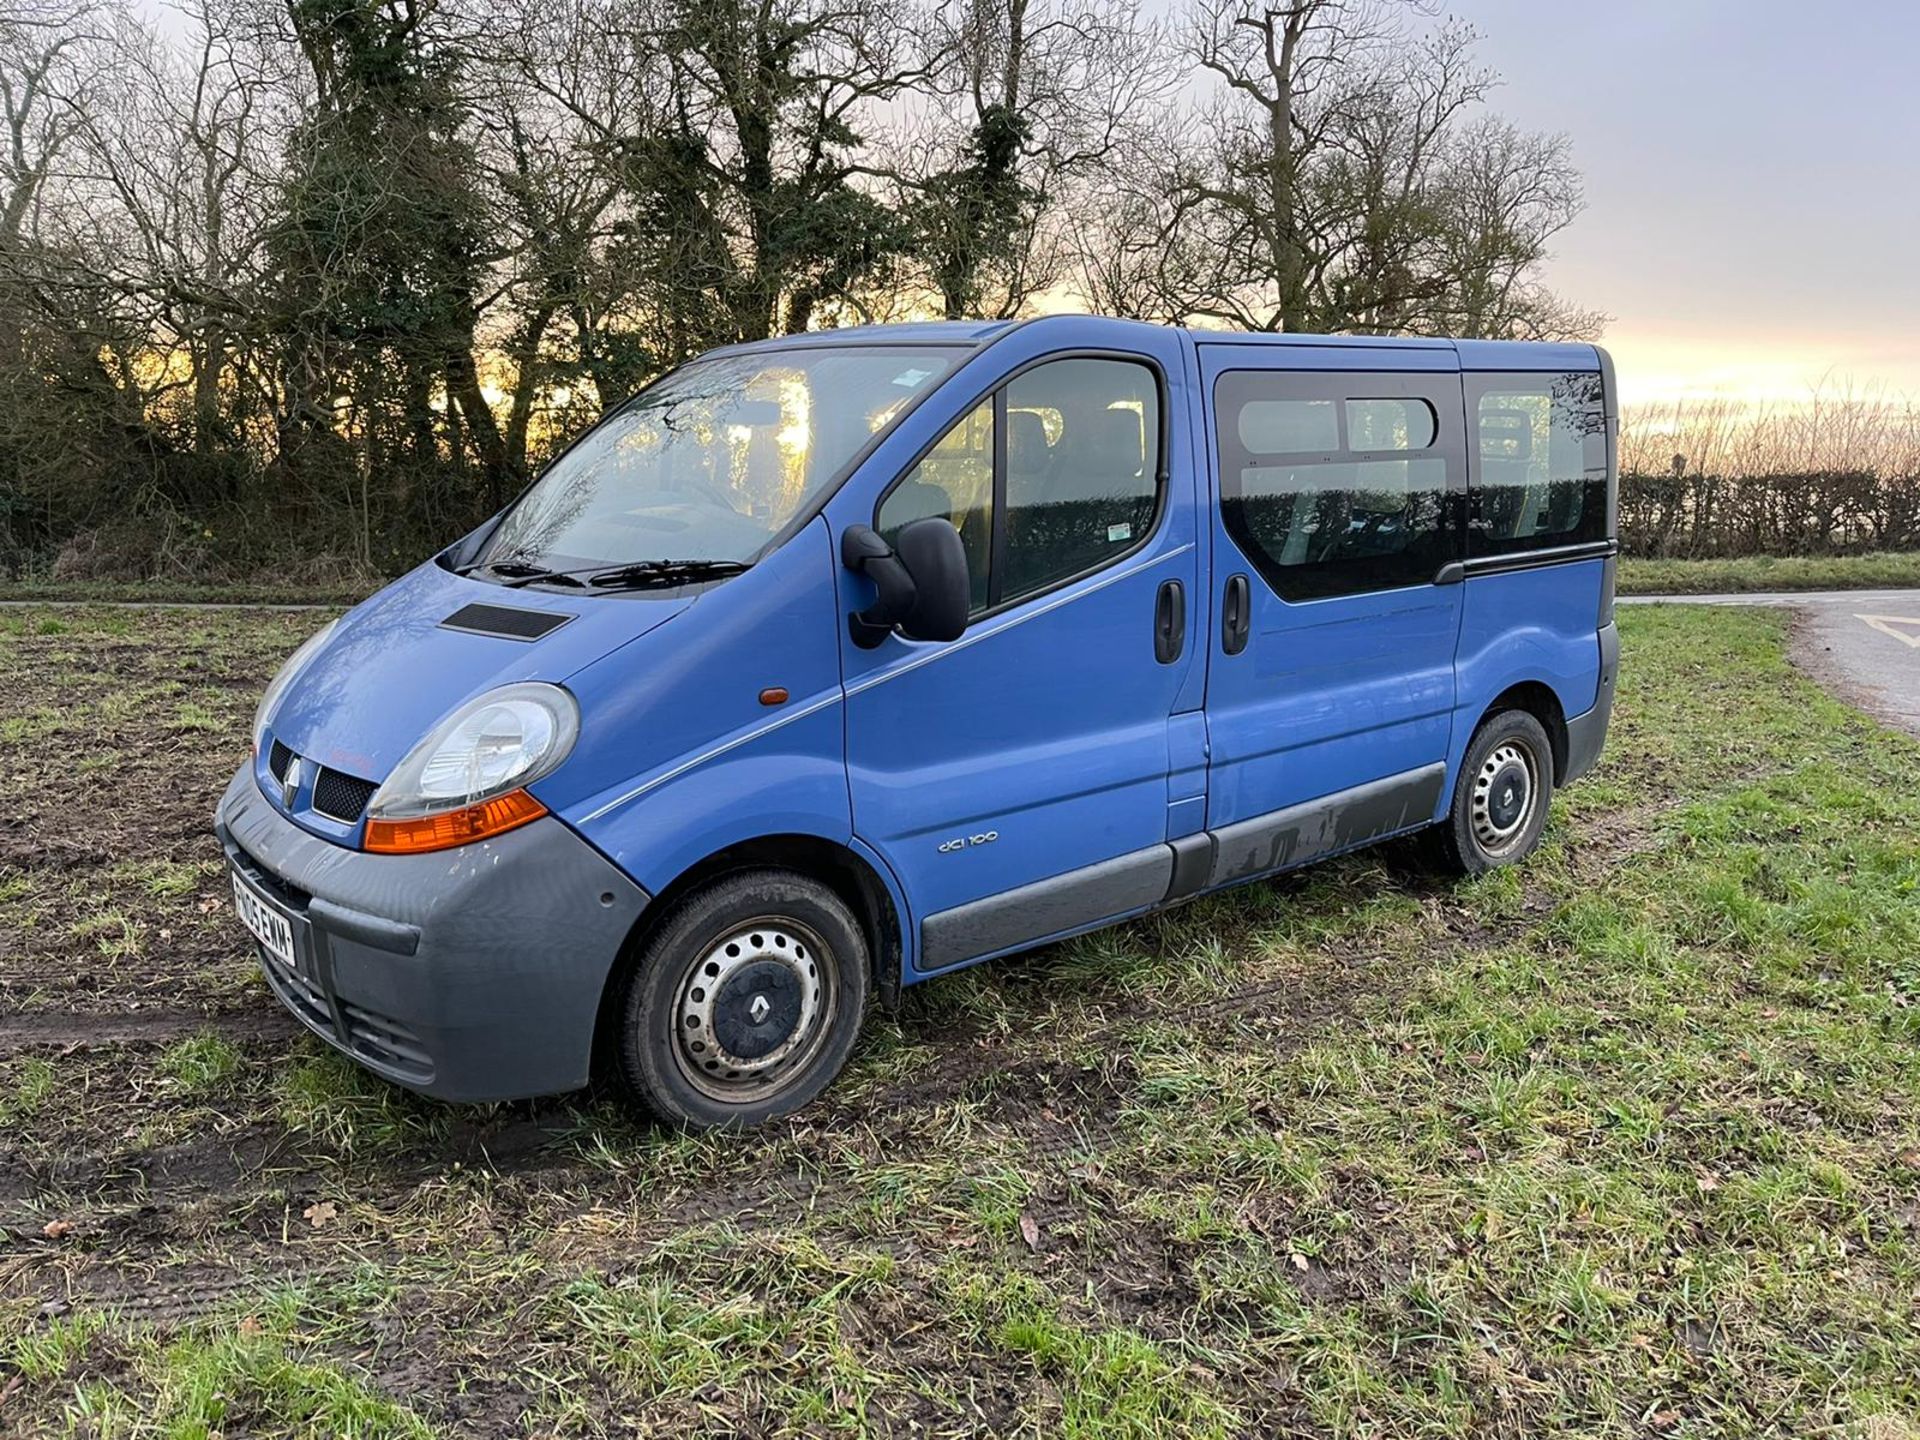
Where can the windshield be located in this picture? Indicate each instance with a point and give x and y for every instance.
(707, 465)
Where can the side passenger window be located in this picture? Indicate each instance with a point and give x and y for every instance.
(1083, 440)
(1334, 485)
(1072, 484)
(1540, 472)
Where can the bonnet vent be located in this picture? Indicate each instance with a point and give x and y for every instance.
(504, 621)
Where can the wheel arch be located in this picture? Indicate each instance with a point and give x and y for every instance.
(1536, 698)
(832, 864)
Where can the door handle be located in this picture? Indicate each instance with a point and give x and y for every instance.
(1236, 616)
(1170, 622)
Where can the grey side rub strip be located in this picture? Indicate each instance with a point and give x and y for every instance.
(1161, 874)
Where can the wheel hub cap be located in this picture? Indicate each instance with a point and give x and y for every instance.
(1503, 796)
(749, 1006)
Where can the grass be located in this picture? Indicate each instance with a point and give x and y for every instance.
(201, 1063)
(208, 1380)
(1753, 574)
(1623, 1142)
(186, 592)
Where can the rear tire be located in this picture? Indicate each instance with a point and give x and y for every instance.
(745, 1001)
(1501, 797)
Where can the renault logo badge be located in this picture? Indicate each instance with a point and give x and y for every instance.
(759, 1009)
(290, 783)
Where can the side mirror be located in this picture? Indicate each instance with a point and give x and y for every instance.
(921, 579)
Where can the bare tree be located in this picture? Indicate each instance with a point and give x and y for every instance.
(1031, 98)
(1504, 195)
(183, 157)
(738, 135)
(1336, 186)
(291, 277)
(48, 48)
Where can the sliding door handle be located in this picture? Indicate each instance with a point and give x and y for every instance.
(1170, 622)
(1236, 616)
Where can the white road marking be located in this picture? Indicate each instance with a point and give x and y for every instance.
(1885, 625)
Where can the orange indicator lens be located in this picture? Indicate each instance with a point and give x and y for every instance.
(455, 827)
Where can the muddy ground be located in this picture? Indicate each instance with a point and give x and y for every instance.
(1089, 1191)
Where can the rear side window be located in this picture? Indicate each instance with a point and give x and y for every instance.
(1339, 484)
(1540, 462)
(1054, 475)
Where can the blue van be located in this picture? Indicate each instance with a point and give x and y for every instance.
(832, 663)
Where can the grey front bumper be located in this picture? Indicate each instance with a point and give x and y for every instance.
(468, 974)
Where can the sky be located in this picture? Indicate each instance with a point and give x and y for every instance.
(1753, 184)
(1752, 179)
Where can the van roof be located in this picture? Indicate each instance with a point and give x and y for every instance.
(1473, 354)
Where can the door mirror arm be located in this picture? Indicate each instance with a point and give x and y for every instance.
(920, 582)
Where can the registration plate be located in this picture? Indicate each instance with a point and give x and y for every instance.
(266, 924)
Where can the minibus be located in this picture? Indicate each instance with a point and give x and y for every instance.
(832, 663)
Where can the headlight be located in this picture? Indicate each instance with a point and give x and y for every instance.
(467, 779)
(277, 687)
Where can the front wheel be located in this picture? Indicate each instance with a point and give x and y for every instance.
(1501, 797)
(745, 1002)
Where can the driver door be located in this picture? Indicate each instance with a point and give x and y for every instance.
(1016, 779)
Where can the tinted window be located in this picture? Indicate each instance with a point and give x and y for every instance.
(1335, 484)
(1391, 425)
(1073, 483)
(1276, 427)
(1540, 466)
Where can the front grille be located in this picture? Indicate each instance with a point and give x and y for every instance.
(278, 758)
(341, 796)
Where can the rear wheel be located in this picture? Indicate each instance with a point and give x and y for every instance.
(1501, 797)
(745, 1002)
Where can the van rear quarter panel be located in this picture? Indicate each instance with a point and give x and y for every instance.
(1540, 624)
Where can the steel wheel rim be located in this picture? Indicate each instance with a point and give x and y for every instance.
(766, 966)
(1506, 793)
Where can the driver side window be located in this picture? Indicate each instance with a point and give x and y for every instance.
(955, 483)
(1053, 476)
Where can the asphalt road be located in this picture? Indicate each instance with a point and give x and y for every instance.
(1862, 644)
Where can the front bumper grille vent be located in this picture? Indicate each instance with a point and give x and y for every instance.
(378, 1037)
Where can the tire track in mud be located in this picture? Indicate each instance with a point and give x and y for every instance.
(67, 1031)
(140, 1204)
(1053, 1108)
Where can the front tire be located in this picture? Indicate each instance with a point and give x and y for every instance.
(1501, 797)
(745, 1002)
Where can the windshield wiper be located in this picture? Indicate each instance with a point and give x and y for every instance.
(637, 575)
(652, 574)
(520, 573)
